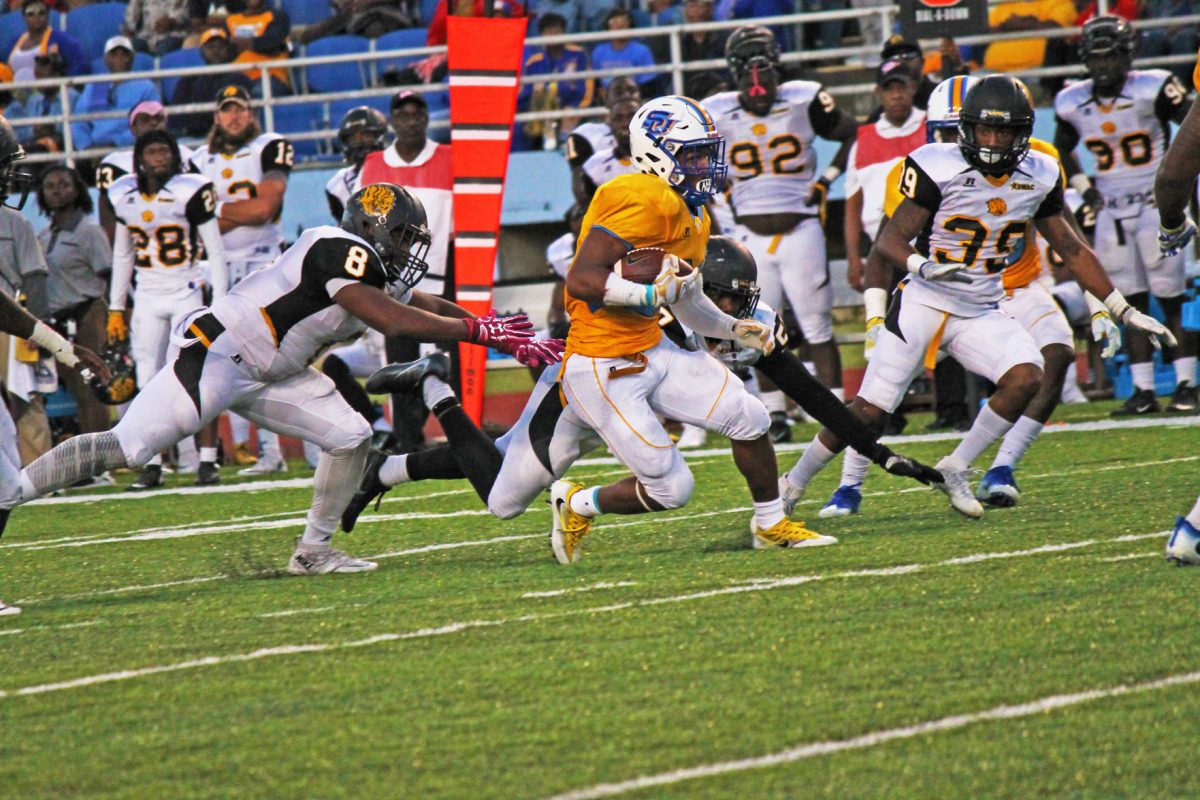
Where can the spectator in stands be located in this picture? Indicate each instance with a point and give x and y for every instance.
(622, 51)
(1175, 40)
(823, 35)
(45, 102)
(215, 48)
(262, 32)
(908, 52)
(569, 10)
(702, 85)
(156, 26)
(754, 9)
(40, 39)
(118, 94)
(1027, 15)
(701, 45)
(205, 14)
(466, 8)
(80, 260)
(369, 18)
(554, 62)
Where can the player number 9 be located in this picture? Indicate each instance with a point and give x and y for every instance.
(356, 261)
(1174, 90)
(908, 183)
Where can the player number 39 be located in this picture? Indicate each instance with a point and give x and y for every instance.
(356, 261)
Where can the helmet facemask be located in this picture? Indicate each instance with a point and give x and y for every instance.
(994, 160)
(743, 292)
(14, 186)
(700, 168)
(403, 254)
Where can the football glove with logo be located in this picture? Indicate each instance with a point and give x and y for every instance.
(1171, 241)
(500, 333)
(118, 331)
(754, 334)
(670, 287)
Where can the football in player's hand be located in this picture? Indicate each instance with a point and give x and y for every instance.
(643, 265)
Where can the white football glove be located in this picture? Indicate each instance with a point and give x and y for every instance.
(874, 327)
(670, 287)
(951, 272)
(1171, 242)
(754, 334)
(1155, 330)
(1103, 328)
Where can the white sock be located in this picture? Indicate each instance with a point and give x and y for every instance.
(1185, 369)
(839, 393)
(28, 490)
(774, 400)
(769, 514)
(989, 426)
(585, 503)
(854, 468)
(239, 429)
(268, 443)
(394, 471)
(1143, 375)
(1193, 516)
(1017, 441)
(312, 454)
(208, 455)
(187, 451)
(435, 390)
(814, 459)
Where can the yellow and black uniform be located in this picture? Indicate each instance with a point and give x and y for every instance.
(641, 211)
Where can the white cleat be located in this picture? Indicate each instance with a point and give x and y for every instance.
(693, 436)
(266, 466)
(7, 610)
(323, 559)
(790, 493)
(957, 488)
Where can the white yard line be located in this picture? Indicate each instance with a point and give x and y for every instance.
(68, 626)
(294, 612)
(592, 588)
(1131, 556)
(814, 749)
(458, 627)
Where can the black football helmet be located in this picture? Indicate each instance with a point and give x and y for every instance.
(122, 386)
(13, 184)
(362, 118)
(1002, 102)
(394, 223)
(751, 46)
(729, 271)
(1108, 36)
(156, 136)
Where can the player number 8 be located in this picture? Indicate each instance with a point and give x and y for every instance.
(356, 261)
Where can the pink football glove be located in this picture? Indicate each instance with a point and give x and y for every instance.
(540, 352)
(500, 333)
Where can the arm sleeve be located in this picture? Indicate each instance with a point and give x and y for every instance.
(579, 150)
(823, 113)
(917, 186)
(278, 156)
(122, 272)
(1052, 205)
(701, 315)
(218, 268)
(1171, 96)
(337, 262)
(891, 192)
(335, 206)
(202, 206)
(1066, 137)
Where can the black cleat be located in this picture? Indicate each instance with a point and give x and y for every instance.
(781, 429)
(209, 474)
(1184, 400)
(407, 377)
(369, 488)
(4, 512)
(150, 478)
(1143, 401)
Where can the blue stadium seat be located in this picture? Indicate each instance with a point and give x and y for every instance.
(142, 62)
(306, 12)
(302, 118)
(399, 40)
(92, 24)
(178, 58)
(337, 77)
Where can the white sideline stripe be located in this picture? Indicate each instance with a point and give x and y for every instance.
(594, 587)
(1130, 556)
(813, 749)
(457, 627)
(15, 631)
(123, 589)
(292, 612)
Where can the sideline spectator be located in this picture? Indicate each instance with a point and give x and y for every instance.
(40, 39)
(701, 45)
(755, 9)
(1175, 40)
(80, 260)
(569, 10)
(369, 18)
(622, 51)
(45, 102)
(554, 62)
(156, 26)
(215, 48)
(1033, 15)
(909, 53)
(118, 94)
(261, 33)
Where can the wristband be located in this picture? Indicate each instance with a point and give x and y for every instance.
(875, 301)
(831, 174)
(620, 291)
(1117, 304)
(47, 338)
(914, 263)
(1080, 182)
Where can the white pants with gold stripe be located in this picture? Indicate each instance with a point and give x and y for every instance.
(793, 264)
(623, 408)
(1039, 313)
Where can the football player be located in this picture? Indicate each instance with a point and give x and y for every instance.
(594, 135)
(162, 214)
(361, 133)
(777, 197)
(549, 436)
(251, 352)
(250, 171)
(968, 205)
(1123, 116)
(606, 164)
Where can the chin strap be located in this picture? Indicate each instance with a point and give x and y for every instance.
(757, 89)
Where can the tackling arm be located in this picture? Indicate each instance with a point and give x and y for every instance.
(391, 318)
(437, 305)
(1177, 173)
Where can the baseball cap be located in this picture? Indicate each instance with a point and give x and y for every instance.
(117, 41)
(213, 33)
(899, 47)
(408, 96)
(233, 94)
(892, 70)
(151, 107)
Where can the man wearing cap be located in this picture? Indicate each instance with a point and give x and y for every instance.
(422, 166)
(250, 171)
(909, 53)
(215, 48)
(116, 95)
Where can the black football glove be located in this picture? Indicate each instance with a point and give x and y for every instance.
(906, 467)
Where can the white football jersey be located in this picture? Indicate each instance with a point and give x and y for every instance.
(604, 165)
(340, 187)
(237, 177)
(727, 351)
(772, 163)
(975, 220)
(283, 316)
(588, 139)
(560, 253)
(119, 163)
(1128, 134)
(163, 228)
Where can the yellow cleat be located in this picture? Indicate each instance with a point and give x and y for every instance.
(788, 533)
(243, 457)
(569, 528)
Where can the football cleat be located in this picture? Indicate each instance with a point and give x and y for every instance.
(791, 494)
(8, 611)
(4, 512)
(693, 436)
(1183, 548)
(323, 559)
(1184, 401)
(266, 465)
(845, 501)
(568, 528)
(369, 488)
(407, 377)
(151, 477)
(998, 488)
(242, 456)
(209, 474)
(1141, 402)
(780, 430)
(788, 533)
(956, 487)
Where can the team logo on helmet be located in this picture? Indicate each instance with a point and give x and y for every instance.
(658, 122)
(997, 207)
(377, 200)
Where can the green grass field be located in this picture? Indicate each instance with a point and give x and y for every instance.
(162, 654)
